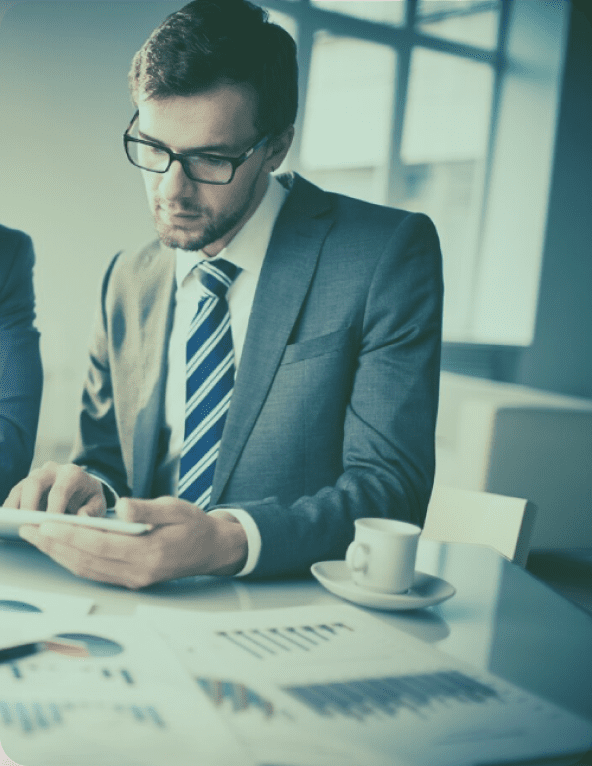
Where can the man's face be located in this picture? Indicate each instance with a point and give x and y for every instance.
(189, 214)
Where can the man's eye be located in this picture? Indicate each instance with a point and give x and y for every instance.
(156, 151)
(210, 162)
(150, 151)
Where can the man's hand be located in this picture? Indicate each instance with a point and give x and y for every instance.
(185, 541)
(59, 489)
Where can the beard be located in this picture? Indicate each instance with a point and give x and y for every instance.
(207, 227)
(210, 228)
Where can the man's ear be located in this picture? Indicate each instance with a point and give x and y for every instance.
(278, 147)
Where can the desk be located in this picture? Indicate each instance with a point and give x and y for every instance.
(502, 619)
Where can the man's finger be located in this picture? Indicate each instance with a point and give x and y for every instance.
(74, 488)
(34, 491)
(64, 486)
(92, 557)
(14, 497)
(79, 562)
(163, 510)
(95, 542)
(93, 504)
(96, 506)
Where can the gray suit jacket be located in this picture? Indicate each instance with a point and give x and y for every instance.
(20, 362)
(334, 406)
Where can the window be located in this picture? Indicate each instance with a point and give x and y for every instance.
(447, 107)
(347, 118)
(375, 10)
(443, 156)
(461, 21)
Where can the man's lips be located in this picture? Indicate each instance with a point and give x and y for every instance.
(181, 215)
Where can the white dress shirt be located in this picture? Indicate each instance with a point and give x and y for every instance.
(247, 250)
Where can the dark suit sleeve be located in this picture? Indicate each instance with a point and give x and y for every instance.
(388, 430)
(97, 447)
(20, 361)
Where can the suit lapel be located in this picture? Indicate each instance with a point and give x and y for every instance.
(285, 277)
(156, 278)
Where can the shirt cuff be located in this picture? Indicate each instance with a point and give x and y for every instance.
(252, 533)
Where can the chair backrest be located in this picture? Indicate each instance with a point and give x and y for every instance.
(465, 516)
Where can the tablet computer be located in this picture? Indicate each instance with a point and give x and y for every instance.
(12, 518)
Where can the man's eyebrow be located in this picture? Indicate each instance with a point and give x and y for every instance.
(218, 148)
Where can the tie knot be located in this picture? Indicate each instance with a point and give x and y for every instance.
(217, 276)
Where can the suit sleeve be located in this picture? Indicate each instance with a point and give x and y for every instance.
(20, 362)
(389, 425)
(97, 446)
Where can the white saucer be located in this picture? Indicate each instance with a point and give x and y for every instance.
(426, 590)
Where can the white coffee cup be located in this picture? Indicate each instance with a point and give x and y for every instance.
(382, 555)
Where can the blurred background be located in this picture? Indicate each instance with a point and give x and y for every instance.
(476, 112)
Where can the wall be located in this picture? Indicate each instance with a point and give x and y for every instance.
(64, 105)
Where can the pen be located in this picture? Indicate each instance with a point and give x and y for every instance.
(17, 652)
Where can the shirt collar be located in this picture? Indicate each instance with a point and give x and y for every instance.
(248, 247)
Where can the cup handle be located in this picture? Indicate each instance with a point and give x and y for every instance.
(356, 557)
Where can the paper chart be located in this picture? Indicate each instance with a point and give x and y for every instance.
(116, 730)
(418, 693)
(15, 600)
(266, 640)
(228, 653)
(123, 654)
(394, 696)
(130, 703)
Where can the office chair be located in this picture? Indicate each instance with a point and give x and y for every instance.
(466, 516)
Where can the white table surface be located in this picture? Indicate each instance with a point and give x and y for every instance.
(502, 619)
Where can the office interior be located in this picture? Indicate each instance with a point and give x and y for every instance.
(476, 112)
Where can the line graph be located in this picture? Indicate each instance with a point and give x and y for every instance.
(237, 695)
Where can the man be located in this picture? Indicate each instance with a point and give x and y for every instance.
(268, 371)
(20, 362)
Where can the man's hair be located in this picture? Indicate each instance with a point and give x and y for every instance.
(210, 42)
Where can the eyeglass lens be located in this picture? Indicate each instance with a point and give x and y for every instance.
(197, 167)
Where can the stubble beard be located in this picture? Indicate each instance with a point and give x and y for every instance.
(212, 229)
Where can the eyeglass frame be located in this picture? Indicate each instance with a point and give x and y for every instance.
(235, 162)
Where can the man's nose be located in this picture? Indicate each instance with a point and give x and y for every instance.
(174, 183)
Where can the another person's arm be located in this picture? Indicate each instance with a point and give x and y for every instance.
(20, 362)
(70, 488)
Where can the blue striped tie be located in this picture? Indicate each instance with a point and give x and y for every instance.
(210, 379)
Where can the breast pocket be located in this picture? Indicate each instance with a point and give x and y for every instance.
(325, 344)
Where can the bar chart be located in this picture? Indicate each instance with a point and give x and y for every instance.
(47, 669)
(34, 716)
(372, 697)
(265, 643)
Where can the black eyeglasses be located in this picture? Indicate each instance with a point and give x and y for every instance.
(206, 168)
